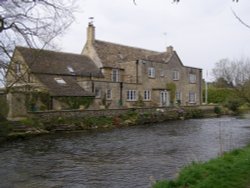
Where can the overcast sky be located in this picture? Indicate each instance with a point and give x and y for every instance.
(201, 31)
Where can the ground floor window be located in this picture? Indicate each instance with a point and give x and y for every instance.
(97, 93)
(109, 94)
(147, 95)
(192, 97)
(178, 97)
(131, 95)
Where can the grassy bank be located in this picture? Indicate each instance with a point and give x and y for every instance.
(232, 170)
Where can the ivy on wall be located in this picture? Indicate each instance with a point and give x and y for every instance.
(76, 102)
(33, 98)
(3, 106)
(171, 87)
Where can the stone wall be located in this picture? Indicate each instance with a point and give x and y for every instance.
(89, 113)
(17, 106)
(50, 115)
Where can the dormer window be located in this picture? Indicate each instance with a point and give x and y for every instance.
(115, 75)
(18, 69)
(70, 69)
(60, 81)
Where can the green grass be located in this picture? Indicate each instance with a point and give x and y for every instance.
(232, 170)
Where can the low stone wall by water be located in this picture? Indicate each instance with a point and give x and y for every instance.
(48, 115)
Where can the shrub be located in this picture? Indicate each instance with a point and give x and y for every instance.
(219, 95)
(217, 110)
(233, 104)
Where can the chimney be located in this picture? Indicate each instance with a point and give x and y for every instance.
(91, 33)
(170, 49)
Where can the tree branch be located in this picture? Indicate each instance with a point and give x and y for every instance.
(239, 19)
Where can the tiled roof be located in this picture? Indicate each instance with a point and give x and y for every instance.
(69, 87)
(111, 53)
(51, 62)
(161, 57)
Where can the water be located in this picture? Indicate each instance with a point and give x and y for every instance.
(121, 158)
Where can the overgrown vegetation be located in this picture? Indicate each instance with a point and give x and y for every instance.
(219, 95)
(171, 87)
(193, 113)
(218, 110)
(3, 106)
(76, 102)
(37, 101)
(232, 170)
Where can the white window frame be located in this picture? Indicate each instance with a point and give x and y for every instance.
(147, 95)
(131, 95)
(151, 72)
(178, 96)
(192, 97)
(176, 75)
(192, 78)
(115, 75)
(98, 93)
(109, 94)
(70, 69)
(60, 81)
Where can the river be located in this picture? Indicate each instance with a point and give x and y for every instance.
(129, 157)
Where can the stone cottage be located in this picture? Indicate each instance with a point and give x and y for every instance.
(138, 77)
(104, 76)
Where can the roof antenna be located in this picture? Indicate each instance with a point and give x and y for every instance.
(91, 20)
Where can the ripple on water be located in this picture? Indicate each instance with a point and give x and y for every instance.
(128, 157)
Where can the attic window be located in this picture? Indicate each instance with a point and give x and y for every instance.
(70, 69)
(18, 68)
(60, 81)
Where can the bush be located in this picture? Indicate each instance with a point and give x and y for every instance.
(233, 104)
(217, 110)
(219, 95)
(4, 107)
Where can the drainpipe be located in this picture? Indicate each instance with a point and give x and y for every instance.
(137, 71)
(200, 82)
(121, 90)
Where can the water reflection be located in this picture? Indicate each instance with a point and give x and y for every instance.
(127, 157)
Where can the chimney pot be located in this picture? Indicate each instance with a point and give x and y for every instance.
(170, 49)
(91, 33)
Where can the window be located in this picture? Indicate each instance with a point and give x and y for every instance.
(178, 97)
(147, 95)
(70, 69)
(151, 72)
(176, 75)
(131, 95)
(18, 68)
(115, 75)
(97, 93)
(109, 94)
(60, 81)
(192, 97)
(192, 78)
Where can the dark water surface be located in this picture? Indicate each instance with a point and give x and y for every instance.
(121, 158)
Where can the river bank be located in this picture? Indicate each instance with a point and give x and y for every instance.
(231, 170)
(30, 127)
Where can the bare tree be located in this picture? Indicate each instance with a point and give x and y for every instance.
(32, 23)
(177, 1)
(236, 74)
